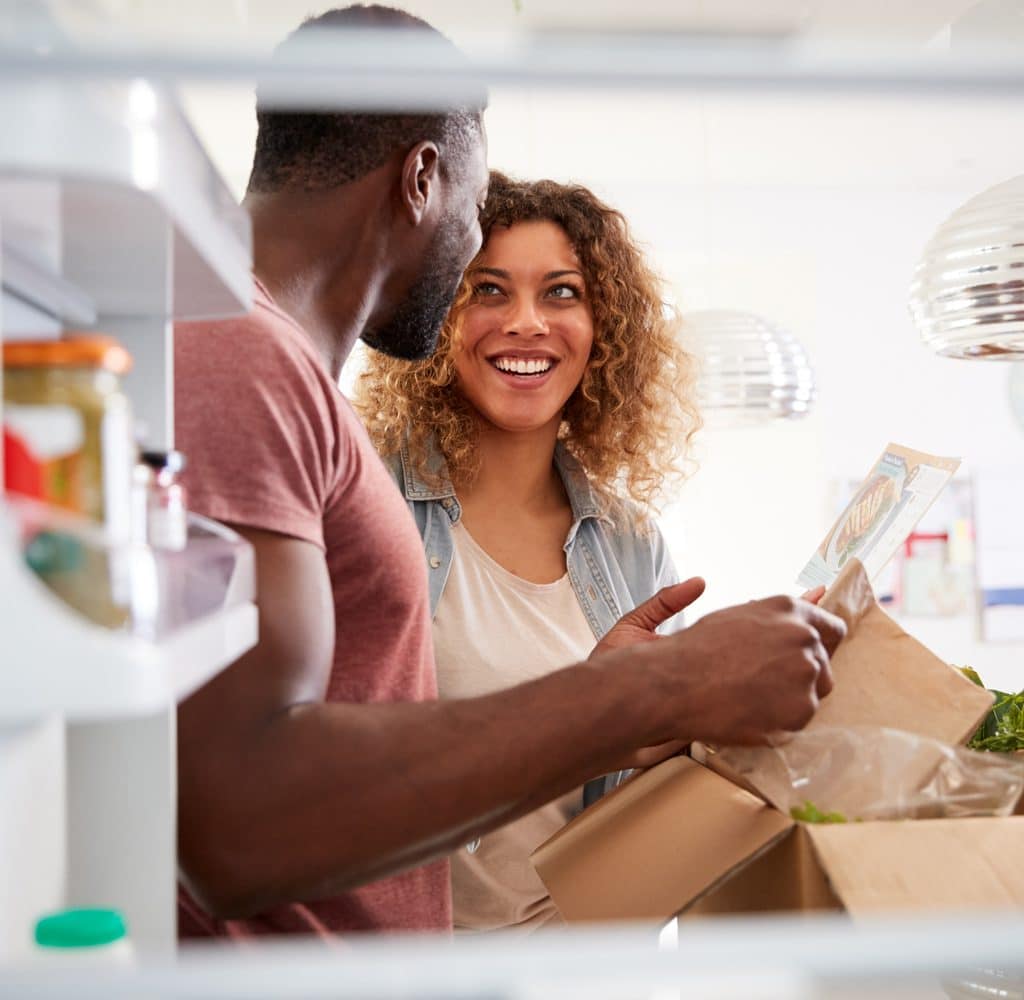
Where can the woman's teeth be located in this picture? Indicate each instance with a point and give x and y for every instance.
(522, 366)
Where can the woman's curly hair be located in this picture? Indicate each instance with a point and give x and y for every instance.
(628, 423)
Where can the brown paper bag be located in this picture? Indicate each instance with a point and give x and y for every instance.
(883, 678)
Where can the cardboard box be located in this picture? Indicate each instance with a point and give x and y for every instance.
(684, 838)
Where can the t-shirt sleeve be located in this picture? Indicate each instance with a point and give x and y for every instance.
(253, 419)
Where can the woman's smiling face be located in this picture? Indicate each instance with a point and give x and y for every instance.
(525, 336)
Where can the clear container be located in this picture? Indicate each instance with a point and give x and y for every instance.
(81, 569)
(173, 588)
(166, 589)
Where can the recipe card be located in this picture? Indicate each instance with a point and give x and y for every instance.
(884, 511)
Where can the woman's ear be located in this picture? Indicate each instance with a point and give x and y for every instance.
(419, 180)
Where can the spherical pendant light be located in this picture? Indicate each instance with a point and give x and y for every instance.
(751, 371)
(967, 293)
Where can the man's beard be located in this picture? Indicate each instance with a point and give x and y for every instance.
(411, 332)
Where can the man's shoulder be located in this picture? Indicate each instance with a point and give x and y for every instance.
(262, 329)
(263, 346)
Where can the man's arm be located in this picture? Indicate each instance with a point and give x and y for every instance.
(283, 797)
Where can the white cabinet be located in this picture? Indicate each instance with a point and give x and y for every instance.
(111, 218)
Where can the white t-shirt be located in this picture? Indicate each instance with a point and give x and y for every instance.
(493, 630)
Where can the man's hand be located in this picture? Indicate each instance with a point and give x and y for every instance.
(639, 624)
(738, 674)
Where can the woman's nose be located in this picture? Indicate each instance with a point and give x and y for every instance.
(525, 319)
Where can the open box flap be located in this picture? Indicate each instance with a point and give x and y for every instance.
(656, 843)
(934, 864)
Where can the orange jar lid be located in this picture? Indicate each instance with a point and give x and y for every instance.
(74, 351)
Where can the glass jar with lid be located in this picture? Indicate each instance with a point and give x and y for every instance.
(68, 427)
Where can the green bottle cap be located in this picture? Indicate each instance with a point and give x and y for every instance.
(80, 929)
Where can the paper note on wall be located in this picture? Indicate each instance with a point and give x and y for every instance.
(900, 487)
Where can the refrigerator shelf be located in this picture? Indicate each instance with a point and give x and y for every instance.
(101, 631)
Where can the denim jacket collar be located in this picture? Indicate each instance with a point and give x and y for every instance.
(583, 498)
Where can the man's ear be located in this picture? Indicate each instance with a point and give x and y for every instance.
(420, 171)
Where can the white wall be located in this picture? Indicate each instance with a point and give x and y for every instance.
(811, 212)
(763, 499)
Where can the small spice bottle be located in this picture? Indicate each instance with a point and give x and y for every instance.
(163, 500)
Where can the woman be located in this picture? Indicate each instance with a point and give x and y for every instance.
(531, 447)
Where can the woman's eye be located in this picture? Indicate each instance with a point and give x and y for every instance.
(486, 289)
(564, 292)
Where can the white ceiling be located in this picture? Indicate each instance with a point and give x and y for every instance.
(680, 136)
(910, 21)
(686, 138)
(637, 145)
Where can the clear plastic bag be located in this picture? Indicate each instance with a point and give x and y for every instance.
(871, 773)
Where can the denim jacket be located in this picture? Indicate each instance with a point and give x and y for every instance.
(611, 569)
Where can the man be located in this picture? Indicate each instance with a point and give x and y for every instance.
(320, 781)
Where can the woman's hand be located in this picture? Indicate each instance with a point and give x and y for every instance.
(649, 756)
(814, 595)
(639, 624)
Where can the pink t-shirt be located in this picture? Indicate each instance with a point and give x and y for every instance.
(271, 443)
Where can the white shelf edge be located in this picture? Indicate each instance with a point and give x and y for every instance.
(757, 957)
(117, 677)
(132, 138)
